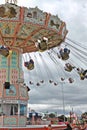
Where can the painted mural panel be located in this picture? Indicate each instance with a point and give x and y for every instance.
(11, 91)
(22, 121)
(9, 121)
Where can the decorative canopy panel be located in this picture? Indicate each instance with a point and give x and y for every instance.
(21, 27)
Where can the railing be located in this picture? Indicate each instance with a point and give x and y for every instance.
(59, 127)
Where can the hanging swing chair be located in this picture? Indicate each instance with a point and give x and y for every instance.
(65, 56)
(4, 51)
(71, 80)
(29, 64)
(68, 67)
(62, 79)
(37, 84)
(50, 81)
(42, 81)
(30, 82)
(28, 89)
(64, 53)
(42, 44)
(82, 73)
(55, 83)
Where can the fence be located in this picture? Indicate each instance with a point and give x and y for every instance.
(36, 128)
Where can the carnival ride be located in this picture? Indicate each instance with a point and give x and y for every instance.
(38, 40)
(64, 69)
(22, 30)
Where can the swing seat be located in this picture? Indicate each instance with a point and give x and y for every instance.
(38, 84)
(71, 80)
(30, 66)
(82, 76)
(4, 52)
(62, 79)
(42, 46)
(68, 69)
(28, 89)
(65, 56)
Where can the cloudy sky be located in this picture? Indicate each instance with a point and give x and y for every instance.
(65, 96)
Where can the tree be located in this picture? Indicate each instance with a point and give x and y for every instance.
(84, 115)
(62, 118)
(52, 115)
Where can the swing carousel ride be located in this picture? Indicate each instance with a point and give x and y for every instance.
(23, 33)
(22, 30)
